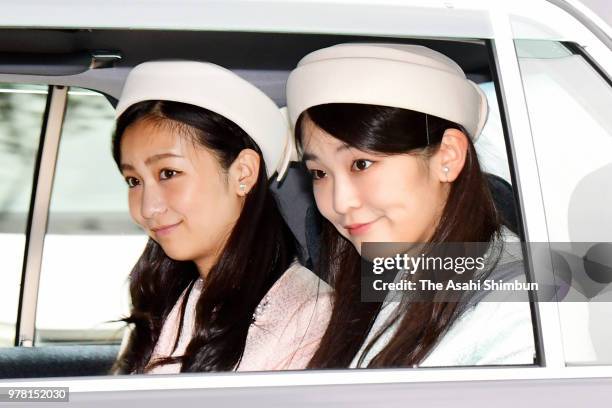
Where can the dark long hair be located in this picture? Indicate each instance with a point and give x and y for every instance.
(259, 249)
(469, 215)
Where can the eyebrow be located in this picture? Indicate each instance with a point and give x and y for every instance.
(311, 156)
(150, 160)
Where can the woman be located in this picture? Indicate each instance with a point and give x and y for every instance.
(387, 133)
(218, 286)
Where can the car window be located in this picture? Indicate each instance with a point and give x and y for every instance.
(491, 145)
(91, 243)
(22, 109)
(569, 101)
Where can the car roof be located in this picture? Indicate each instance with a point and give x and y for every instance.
(261, 40)
(450, 18)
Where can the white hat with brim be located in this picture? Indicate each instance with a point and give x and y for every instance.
(396, 75)
(219, 90)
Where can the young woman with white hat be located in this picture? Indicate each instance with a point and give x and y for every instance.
(218, 286)
(387, 132)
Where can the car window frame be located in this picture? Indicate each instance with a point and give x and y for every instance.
(53, 150)
(38, 214)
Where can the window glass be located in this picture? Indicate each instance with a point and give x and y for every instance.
(491, 145)
(569, 106)
(91, 243)
(22, 109)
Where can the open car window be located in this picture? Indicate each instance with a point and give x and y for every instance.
(82, 290)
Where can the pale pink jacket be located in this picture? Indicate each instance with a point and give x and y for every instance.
(289, 323)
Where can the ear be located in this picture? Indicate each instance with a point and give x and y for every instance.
(244, 171)
(450, 157)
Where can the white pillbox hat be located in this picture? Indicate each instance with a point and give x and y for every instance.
(219, 90)
(397, 75)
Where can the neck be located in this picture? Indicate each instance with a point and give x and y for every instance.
(204, 265)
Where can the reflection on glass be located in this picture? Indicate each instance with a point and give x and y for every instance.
(21, 113)
(569, 110)
(91, 243)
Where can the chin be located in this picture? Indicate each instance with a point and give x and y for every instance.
(177, 255)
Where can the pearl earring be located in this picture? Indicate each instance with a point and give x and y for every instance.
(242, 187)
(446, 169)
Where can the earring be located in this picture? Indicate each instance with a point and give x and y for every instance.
(242, 187)
(446, 169)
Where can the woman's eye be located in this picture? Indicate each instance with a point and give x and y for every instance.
(131, 181)
(167, 173)
(317, 174)
(361, 164)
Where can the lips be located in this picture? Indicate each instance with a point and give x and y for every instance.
(164, 229)
(358, 229)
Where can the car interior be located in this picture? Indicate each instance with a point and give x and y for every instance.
(101, 59)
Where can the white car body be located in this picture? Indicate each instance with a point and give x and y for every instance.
(565, 334)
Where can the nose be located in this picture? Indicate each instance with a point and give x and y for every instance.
(153, 202)
(346, 196)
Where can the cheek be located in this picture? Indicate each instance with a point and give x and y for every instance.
(375, 187)
(404, 192)
(206, 202)
(192, 195)
(181, 195)
(417, 204)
